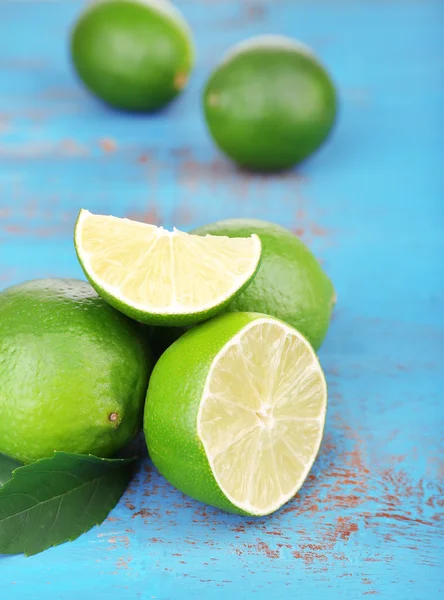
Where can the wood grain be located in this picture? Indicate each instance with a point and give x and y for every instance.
(369, 520)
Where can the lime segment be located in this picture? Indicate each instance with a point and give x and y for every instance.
(162, 277)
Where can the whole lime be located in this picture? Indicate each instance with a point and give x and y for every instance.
(270, 103)
(133, 54)
(290, 283)
(73, 371)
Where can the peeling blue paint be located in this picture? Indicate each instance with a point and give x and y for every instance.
(369, 519)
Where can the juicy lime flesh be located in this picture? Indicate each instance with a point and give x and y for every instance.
(155, 271)
(262, 415)
(73, 371)
(133, 54)
(269, 106)
(290, 283)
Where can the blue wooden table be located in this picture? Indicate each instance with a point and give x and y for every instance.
(369, 520)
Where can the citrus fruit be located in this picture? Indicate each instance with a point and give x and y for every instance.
(133, 54)
(235, 412)
(160, 277)
(290, 283)
(270, 103)
(73, 371)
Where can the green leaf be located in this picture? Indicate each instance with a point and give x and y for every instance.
(57, 499)
(7, 466)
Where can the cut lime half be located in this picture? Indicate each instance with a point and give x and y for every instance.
(161, 277)
(235, 412)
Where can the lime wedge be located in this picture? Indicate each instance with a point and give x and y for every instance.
(160, 277)
(235, 412)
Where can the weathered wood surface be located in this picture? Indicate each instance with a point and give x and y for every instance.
(369, 519)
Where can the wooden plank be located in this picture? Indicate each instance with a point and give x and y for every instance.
(369, 519)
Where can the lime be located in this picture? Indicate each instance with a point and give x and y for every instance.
(235, 412)
(270, 103)
(290, 283)
(73, 371)
(133, 54)
(160, 277)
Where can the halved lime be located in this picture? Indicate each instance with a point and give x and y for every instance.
(161, 277)
(235, 412)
